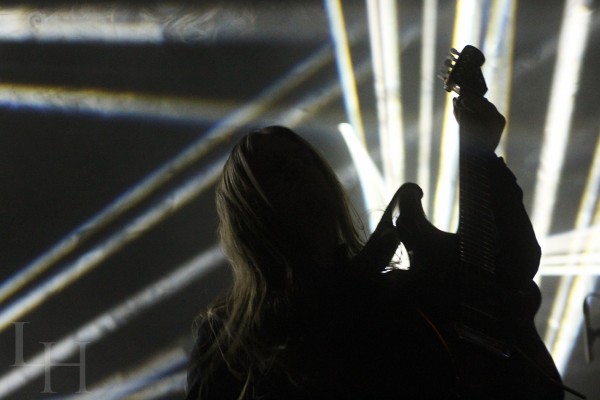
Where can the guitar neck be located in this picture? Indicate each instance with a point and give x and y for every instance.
(476, 224)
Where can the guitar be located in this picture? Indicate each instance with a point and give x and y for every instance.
(485, 319)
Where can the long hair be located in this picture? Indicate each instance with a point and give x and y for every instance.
(255, 237)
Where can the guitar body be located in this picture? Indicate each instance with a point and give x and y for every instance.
(509, 361)
(479, 294)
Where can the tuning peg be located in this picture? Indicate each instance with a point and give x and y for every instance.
(454, 52)
(442, 76)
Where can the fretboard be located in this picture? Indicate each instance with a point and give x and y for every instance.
(476, 224)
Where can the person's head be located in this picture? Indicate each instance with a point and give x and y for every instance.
(283, 217)
(282, 210)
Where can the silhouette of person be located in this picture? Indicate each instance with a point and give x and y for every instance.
(309, 314)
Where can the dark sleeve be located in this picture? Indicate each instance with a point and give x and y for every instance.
(519, 251)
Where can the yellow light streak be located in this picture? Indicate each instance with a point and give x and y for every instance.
(562, 323)
(498, 49)
(385, 55)
(426, 99)
(198, 149)
(341, 47)
(565, 321)
(371, 180)
(565, 83)
(466, 31)
(105, 102)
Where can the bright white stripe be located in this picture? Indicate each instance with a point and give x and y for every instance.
(91, 259)
(155, 375)
(565, 83)
(583, 270)
(219, 133)
(575, 260)
(498, 49)
(560, 244)
(385, 54)
(466, 31)
(371, 181)
(165, 21)
(114, 318)
(565, 319)
(78, 24)
(173, 386)
(299, 112)
(426, 99)
(571, 48)
(104, 102)
(337, 28)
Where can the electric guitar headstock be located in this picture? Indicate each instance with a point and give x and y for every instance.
(463, 71)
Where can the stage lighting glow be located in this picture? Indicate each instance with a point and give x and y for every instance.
(498, 49)
(572, 319)
(565, 321)
(385, 55)
(113, 319)
(571, 48)
(574, 260)
(217, 134)
(306, 107)
(565, 83)
(560, 243)
(112, 103)
(339, 38)
(153, 379)
(93, 258)
(371, 180)
(426, 99)
(84, 23)
(156, 24)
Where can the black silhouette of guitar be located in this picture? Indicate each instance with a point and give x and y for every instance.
(487, 326)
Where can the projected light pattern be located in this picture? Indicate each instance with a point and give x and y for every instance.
(113, 319)
(385, 53)
(572, 256)
(426, 99)
(445, 211)
(571, 48)
(220, 132)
